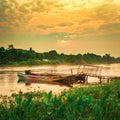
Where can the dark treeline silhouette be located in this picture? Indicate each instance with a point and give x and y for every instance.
(13, 56)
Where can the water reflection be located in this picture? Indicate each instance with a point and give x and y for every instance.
(9, 80)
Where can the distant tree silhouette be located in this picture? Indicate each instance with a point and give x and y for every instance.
(10, 46)
(13, 55)
(31, 50)
(2, 49)
(107, 58)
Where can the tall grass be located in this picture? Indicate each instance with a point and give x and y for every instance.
(100, 102)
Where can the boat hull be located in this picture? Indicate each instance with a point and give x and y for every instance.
(39, 77)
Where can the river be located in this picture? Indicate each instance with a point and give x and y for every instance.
(9, 80)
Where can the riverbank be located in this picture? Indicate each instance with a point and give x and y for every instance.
(101, 101)
(56, 89)
(51, 64)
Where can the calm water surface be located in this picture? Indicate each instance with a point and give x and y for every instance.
(9, 80)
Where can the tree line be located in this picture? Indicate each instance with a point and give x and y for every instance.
(14, 56)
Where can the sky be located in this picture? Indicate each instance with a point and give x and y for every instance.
(67, 26)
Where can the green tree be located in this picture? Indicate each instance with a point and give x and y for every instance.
(52, 55)
(10, 47)
(107, 58)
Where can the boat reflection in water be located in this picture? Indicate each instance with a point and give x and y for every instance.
(48, 78)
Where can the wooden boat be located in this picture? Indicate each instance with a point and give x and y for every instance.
(62, 79)
(39, 77)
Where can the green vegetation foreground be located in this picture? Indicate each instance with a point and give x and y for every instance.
(100, 102)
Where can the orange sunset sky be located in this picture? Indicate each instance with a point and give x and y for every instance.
(67, 26)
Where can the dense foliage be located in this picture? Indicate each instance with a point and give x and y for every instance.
(13, 56)
(100, 102)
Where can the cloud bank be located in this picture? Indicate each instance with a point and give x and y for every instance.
(60, 19)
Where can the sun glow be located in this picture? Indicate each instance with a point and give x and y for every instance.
(64, 42)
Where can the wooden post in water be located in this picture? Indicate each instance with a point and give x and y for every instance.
(100, 78)
(108, 79)
(86, 79)
(71, 71)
